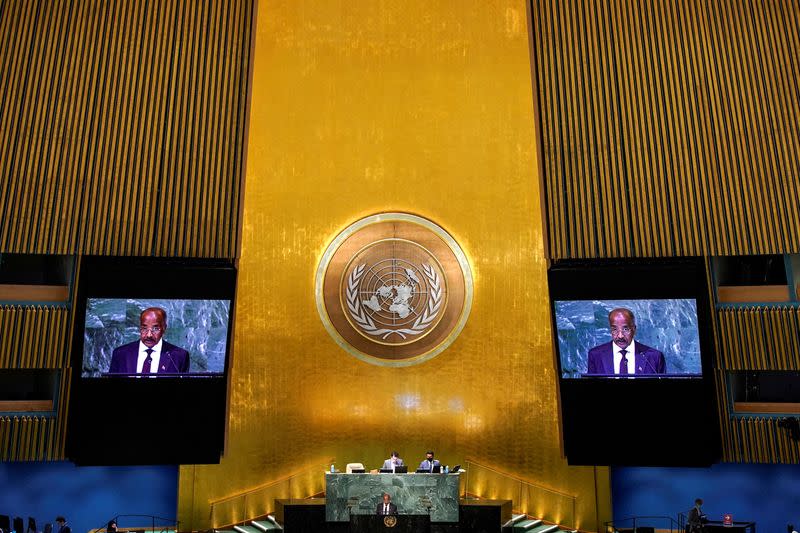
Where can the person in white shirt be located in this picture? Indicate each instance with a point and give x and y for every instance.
(150, 354)
(623, 355)
(386, 507)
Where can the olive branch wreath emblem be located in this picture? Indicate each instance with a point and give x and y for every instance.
(365, 322)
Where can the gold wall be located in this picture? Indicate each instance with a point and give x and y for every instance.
(360, 107)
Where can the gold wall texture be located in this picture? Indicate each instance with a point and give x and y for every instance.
(360, 107)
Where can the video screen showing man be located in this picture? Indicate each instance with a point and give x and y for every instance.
(623, 355)
(151, 354)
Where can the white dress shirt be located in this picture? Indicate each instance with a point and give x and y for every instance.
(630, 355)
(155, 356)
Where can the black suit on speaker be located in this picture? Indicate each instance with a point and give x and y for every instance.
(380, 509)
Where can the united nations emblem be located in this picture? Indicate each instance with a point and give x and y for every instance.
(390, 521)
(394, 289)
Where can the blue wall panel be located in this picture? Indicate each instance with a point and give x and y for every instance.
(766, 494)
(87, 496)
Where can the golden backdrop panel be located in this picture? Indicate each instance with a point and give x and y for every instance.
(360, 107)
(668, 127)
(121, 126)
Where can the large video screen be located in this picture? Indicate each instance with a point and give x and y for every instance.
(637, 338)
(131, 337)
(634, 352)
(153, 340)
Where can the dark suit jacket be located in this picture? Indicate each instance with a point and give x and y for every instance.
(648, 360)
(173, 359)
(695, 517)
(392, 508)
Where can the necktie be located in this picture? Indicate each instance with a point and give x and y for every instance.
(385, 509)
(147, 361)
(623, 364)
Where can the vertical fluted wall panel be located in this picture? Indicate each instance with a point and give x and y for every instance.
(122, 126)
(122, 132)
(34, 336)
(759, 440)
(759, 338)
(27, 438)
(669, 127)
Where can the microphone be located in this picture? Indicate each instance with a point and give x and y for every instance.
(650, 363)
(171, 360)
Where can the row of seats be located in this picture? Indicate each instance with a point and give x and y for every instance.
(18, 526)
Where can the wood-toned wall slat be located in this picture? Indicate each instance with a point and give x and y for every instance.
(27, 438)
(122, 126)
(34, 336)
(745, 346)
(758, 440)
(669, 128)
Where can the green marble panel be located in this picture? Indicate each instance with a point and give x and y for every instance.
(413, 494)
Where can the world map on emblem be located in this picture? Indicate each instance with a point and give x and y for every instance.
(393, 298)
(393, 289)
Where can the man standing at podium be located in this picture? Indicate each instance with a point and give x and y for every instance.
(150, 354)
(392, 462)
(623, 355)
(429, 463)
(386, 507)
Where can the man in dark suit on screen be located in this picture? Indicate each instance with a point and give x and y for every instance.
(623, 355)
(150, 354)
